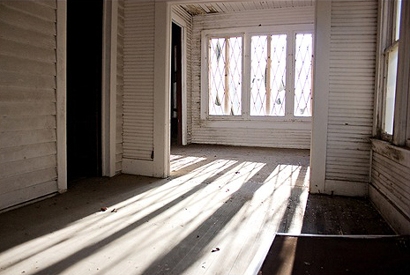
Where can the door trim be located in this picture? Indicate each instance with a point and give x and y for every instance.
(61, 89)
(176, 19)
(109, 88)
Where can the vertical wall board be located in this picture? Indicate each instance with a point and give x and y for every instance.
(272, 134)
(351, 93)
(28, 151)
(188, 32)
(162, 88)
(120, 86)
(138, 100)
(320, 96)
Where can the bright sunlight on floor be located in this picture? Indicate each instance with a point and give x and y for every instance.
(216, 214)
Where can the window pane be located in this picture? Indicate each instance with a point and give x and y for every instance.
(391, 90)
(225, 75)
(397, 26)
(303, 75)
(268, 75)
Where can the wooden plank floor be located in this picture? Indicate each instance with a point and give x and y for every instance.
(216, 214)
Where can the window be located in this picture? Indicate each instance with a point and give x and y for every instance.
(303, 75)
(268, 75)
(393, 109)
(253, 75)
(390, 96)
(390, 65)
(225, 75)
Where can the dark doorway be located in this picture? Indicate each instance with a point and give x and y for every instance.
(84, 69)
(176, 86)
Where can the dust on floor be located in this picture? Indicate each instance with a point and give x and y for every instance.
(220, 207)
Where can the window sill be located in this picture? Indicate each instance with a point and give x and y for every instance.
(399, 154)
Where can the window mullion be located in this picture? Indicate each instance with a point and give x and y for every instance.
(246, 76)
(290, 79)
(227, 102)
(204, 112)
(268, 75)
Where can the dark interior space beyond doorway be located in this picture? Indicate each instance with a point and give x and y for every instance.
(84, 69)
(176, 86)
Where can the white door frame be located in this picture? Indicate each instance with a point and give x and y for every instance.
(109, 88)
(109, 83)
(182, 24)
(61, 86)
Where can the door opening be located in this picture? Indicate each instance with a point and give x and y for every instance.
(176, 85)
(84, 72)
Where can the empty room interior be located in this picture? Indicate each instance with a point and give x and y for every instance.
(205, 137)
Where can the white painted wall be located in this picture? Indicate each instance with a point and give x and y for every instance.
(146, 118)
(345, 85)
(138, 104)
(273, 133)
(351, 94)
(28, 123)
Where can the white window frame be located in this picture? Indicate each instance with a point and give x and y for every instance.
(401, 129)
(247, 33)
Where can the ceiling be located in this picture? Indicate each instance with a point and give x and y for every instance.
(231, 7)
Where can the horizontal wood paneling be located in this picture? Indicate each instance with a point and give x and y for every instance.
(25, 36)
(288, 136)
(10, 109)
(351, 94)
(28, 179)
(27, 94)
(36, 191)
(254, 137)
(30, 123)
(21, 65)
(30, 151)
(29, 16)
(138, 104)
(391, 179)
(26, 80)
(27, 100)
(18, 138)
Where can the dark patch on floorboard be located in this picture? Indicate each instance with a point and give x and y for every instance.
(336, 215)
